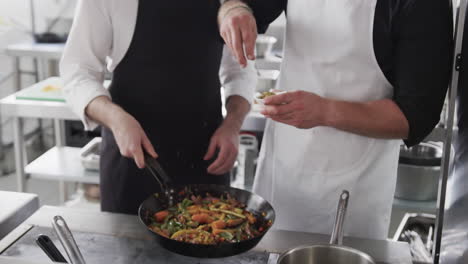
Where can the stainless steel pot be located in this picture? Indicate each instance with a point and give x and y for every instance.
(333, 253)
(418, 172)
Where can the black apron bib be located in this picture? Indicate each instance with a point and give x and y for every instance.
(168, 81)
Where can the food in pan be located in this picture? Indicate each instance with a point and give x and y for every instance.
(208, 220)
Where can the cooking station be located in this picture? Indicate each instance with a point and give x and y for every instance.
(118, 238)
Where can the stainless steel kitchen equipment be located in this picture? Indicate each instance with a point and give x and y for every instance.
(67, 240)
(89, 154)
(335, 252)
(14, 209)
(246, 162)
(267, 80)
(419, 172)
(423, 225)
(451, 239)
(120, 239)
(264, 46)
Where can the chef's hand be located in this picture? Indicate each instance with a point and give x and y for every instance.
(132, 139)
(225, 141)
(238, 29)
(299, 109)
(128, 134)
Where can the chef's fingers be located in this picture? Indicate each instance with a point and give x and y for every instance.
(211, 150)
(229, 163)
(148, 147)
(138, 157)
(227, 39)
(249, 36)
(236, 39)
(284, 98)
(222, 156)
(272, 110)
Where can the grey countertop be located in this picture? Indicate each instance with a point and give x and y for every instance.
(14, 209)
(127, 226)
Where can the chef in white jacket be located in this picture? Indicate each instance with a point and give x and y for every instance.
(360, 75)
(168, 64)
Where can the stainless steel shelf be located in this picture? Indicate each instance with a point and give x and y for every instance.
(61, 164)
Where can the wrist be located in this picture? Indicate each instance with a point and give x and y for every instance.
(116, 117)
(329, 113)
(233, 123)
(230, 7)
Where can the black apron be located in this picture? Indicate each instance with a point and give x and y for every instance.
(169, 81)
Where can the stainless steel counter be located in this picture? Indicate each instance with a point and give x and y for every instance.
(14, 209)
(126, 226)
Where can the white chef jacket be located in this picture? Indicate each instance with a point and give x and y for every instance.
(100, 37)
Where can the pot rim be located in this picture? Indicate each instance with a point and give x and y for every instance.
(334, 246)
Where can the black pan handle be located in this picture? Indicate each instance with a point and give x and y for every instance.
(48, 246)
(166, 183)
(158, 172)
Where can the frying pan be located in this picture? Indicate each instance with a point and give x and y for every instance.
(171, 194)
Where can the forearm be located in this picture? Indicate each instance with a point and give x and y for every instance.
(237, 109)
(377, 119)
(103, 111)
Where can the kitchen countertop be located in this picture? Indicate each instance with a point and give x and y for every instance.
(14, 209)
(127, 226)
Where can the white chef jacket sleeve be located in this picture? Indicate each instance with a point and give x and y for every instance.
(235, 79)
(83, 64)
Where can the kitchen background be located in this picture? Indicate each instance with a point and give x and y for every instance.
(415, 204)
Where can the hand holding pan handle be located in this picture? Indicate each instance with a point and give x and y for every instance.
(337, 234)
(67, 240)
(156, 170)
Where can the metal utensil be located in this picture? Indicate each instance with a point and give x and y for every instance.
(48, 246)
(333, 253)
(156, 170)
(68, 242)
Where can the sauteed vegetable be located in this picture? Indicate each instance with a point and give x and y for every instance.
(208, 220)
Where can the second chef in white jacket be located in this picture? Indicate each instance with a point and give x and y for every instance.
(360, 75)
(168, 65)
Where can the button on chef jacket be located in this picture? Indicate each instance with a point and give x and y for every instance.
(399, 49)
(168, 66)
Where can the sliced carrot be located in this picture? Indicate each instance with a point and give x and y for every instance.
(202, 218)
(161, 215)
(234, 222)
(193, 211)
(194, 207)
(252, 219)
(220, 224)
